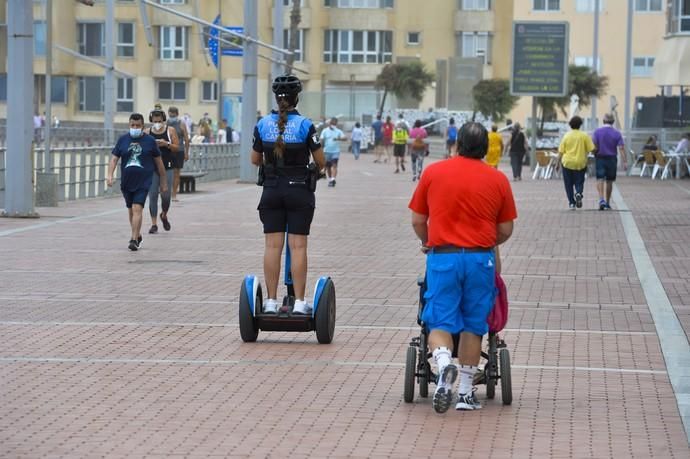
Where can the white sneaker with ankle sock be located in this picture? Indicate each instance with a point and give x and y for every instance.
(447, 373)
(301, 307)
(270, 306)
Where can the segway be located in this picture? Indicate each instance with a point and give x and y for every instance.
(321, 319)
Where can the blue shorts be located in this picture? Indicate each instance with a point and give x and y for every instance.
(135, 197)
(606, 168)
(461, 291)
(332, 159)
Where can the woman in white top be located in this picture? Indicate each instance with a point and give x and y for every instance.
(356, 138)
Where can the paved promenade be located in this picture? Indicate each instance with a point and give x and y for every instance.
(109, 353)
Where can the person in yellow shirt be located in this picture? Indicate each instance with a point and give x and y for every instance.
(574, 148)
(400, 136)
(493, 155)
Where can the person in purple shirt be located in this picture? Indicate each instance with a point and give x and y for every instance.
(609, 143)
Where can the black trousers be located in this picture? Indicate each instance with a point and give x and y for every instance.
(516, 159)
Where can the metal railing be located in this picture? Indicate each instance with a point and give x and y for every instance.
(82, 171)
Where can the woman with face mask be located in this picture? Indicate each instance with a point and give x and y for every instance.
(168, 144)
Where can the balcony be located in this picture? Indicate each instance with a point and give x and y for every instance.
(159, 17)
(344, 72)
(359, 19)
(467, 21)
(171, 69)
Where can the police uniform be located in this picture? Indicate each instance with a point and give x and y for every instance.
(286, 202)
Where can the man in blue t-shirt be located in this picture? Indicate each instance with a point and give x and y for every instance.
(377, 127)
(331, 147)
(140, 159)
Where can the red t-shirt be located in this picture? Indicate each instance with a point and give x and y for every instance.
(464, 199)
(388, 131)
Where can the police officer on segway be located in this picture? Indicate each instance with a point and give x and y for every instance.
(284, 142)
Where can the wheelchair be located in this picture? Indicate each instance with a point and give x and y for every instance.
(418, 369)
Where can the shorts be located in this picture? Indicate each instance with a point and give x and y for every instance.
(378, 141)
(286, 207)
(399, 150)
(606, 168)
(332, 159)
(461, 291)
(135, 197)
(450, 143)
(178, 161)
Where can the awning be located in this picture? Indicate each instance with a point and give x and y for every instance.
(672, 62)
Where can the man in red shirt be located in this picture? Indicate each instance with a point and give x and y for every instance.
(461, 210)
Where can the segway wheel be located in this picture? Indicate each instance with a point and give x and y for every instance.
(410, 367)
(249, 328)
(506, 384)
(324, 319)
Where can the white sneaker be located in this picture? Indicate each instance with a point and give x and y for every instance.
(301, 307)
(270, 306)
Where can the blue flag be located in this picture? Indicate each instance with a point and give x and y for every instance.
(213, 45)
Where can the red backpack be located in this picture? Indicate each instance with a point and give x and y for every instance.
(499, 314)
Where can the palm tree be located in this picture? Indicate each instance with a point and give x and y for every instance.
(409, 79)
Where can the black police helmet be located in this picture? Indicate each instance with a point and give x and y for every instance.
(288, 85)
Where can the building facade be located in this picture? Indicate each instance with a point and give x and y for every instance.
(343, 45)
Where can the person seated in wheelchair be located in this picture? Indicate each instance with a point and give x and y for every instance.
(283, 143)
(462, 209)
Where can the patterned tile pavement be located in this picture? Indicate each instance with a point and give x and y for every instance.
(109, 353)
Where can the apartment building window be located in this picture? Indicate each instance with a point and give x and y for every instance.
(173, 40)
(546, 5)
(642, 66)
(649, 5)
(359, 3)
(172, 90)
(91, 38)
(209, 91)
(587, 61)
(299, 51)
(125, 39)
(39, 38)
(476, 44)
(587, 6)
(474, 5)
(414, 38)
(680, 17)
(58, 89)
(91, 94)
(358, 46)
(3, 87)
(125, 95)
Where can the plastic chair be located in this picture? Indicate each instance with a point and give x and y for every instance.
(543, 169)
(663, 164)
(649, 162)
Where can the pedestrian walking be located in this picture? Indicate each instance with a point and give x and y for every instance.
(608, 143)
(518, 148)
(493, 156)
(283, 143)
(377, 127)
(461, 210)
(356, 138)
(451, 137)
(168, 144)
(388, 128)
(330, 138)
(574, 148)
(418, 149)
(141, 160)
(400, 136)
(182, 153)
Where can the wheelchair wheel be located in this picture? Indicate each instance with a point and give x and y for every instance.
(490, 385)
(423, 368)
(410, 367)
(324, 321)
(506, 384)
(249, 328)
